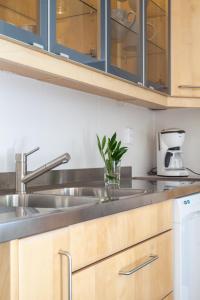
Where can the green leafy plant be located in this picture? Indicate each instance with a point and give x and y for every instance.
(111, 151)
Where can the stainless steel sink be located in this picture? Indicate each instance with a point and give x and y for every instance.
(65, 198)
(44, 201)
(96, 192)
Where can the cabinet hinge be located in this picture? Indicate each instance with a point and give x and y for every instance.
(64, 55)
(38, 45)
(151, 87)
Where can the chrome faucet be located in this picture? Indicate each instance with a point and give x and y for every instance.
(22, 176)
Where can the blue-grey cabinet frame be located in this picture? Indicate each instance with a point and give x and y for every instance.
(71, 53)
(138, 78)
(47, 39)
(28, 36)
(149, 83)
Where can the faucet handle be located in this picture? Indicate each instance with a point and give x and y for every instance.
(32, 151)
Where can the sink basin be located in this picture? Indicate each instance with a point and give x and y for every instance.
(50, 200)
(44, 201)
(96, 192)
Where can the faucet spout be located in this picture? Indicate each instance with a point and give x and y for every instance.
(46, 167)
(22, 178)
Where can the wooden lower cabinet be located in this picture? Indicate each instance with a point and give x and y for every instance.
(9, 271)
(42, 271)
(96, 239)
(33, 269)
(102, 281)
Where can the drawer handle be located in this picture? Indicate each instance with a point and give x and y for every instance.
(69, 269)
(189, 86)
(134, 268)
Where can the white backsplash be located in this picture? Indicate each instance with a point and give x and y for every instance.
(34, 113)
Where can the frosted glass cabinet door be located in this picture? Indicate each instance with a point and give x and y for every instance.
(77, 28)
(125, 39)
(26, 21)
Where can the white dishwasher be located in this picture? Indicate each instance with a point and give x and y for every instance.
(187, 248)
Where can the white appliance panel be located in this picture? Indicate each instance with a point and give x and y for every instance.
(187, 248)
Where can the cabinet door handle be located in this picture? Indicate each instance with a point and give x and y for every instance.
(69, 269)
(139, 265)
(189, 86)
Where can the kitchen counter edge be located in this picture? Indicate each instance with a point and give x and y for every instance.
(24, 227)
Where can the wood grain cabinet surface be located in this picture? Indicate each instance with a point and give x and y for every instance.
(9, 271)
(99, 248)
(185, 48)
(102, 281)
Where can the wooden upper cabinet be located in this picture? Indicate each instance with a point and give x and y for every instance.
(77, 31)
(24, 14)
(157, 44)
(185, 48)
(26, 21)
(124, 39)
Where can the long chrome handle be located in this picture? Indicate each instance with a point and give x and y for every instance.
(142, 263)
(185, 86)
(69, 258)
(32, 151)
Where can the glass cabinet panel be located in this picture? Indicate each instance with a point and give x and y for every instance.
(79, 30)
(22, 14)
(125, 47)
(128, 38)
(157, 44)
(24, 20)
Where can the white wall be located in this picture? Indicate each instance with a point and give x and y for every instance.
(189, 120)
(57, 119)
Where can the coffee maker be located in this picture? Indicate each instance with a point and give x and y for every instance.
(169, 153)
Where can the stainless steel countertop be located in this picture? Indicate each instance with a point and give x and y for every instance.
(13, 226)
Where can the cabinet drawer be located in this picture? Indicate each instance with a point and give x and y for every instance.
(100, 238)
(151, 263)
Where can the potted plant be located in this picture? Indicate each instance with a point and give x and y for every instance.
(111, 151)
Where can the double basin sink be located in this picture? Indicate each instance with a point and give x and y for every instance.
(64, 198)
